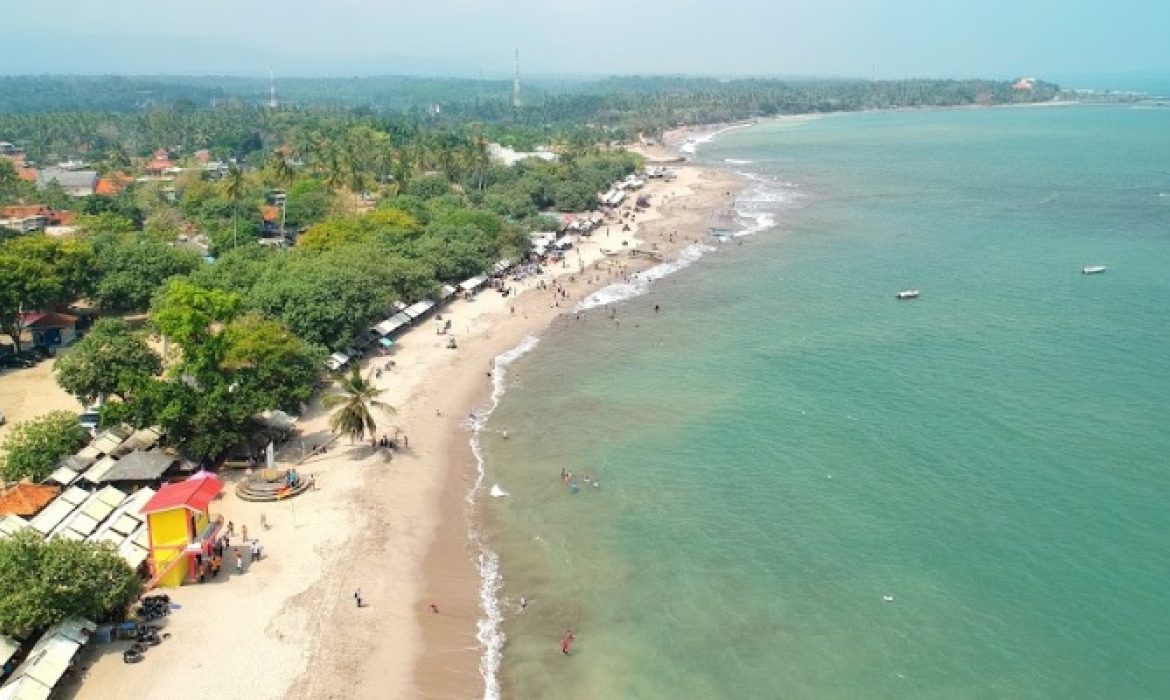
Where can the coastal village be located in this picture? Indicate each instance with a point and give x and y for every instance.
(247, 561)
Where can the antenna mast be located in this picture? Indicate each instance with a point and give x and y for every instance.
(272, 103)
(516, 103)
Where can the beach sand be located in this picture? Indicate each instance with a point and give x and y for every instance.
(396, 526)
(30, 392)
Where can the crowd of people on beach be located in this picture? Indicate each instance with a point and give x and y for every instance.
(210, 565)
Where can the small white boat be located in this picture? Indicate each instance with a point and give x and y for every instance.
(1093, 270)
(907, 294)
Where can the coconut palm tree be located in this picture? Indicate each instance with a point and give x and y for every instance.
(234, 189)
(354, 415)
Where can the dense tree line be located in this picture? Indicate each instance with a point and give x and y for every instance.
(386, 203)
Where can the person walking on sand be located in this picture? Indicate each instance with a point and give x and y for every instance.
(255, 550)
(357, 597)
(244, 532)
(434, 608)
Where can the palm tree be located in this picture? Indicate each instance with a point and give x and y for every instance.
(235, 191)
(357, 397)
(278, 167)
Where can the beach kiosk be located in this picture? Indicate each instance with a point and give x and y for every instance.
(181, 528)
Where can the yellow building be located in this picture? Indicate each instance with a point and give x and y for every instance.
(181, 528)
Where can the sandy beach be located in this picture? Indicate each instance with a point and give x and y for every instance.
(396, 526)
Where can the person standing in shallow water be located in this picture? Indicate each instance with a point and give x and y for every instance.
(567, 642)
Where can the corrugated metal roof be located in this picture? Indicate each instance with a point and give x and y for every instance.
(473, 283)
(418, 309)
(124, 524)
(142, 439)
(140, 466)
(12, 524)
(98, 471)
(24, 688)
(89, 452)
(133, 554)
(76, 462)
(8, 648)
(107, 442)
(63, 476)
(97, 509)
(141, 537)
(51, 516)
(111, 496)
(75, 495)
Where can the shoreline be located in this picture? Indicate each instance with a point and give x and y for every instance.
(456, 537)
(424, 515)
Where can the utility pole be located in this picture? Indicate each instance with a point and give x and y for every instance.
(516, 102)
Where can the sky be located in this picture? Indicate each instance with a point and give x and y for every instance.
(854, 38)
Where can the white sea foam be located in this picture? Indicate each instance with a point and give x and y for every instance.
(639, 282)
(488, 628)
(759, 203)
(737, 161)
(697, 140)
(761, 221)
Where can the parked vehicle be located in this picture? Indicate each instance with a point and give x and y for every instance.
(89, 419)
(16, 361)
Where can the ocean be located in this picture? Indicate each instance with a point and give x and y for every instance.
(808, 489)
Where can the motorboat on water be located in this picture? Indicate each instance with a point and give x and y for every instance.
(907, 294)
(1093, 270)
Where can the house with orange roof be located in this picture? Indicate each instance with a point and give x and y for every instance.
(26, 218)
(157, 165)
(52, 217)
(113, 184)
(25, 499)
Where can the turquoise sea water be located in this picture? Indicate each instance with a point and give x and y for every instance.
(784, 444)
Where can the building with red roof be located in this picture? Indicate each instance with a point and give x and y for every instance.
(181, 529)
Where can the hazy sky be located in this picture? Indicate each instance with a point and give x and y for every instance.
(992, 38)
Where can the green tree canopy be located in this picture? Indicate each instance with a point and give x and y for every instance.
(38, 273)
(110, 360)
(232, 367)
(268, 364)
(132, 266)
(33, 448)
(185, 312)
(46, 582)
(389, 225)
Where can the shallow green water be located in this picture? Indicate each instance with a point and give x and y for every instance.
(784, 444)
